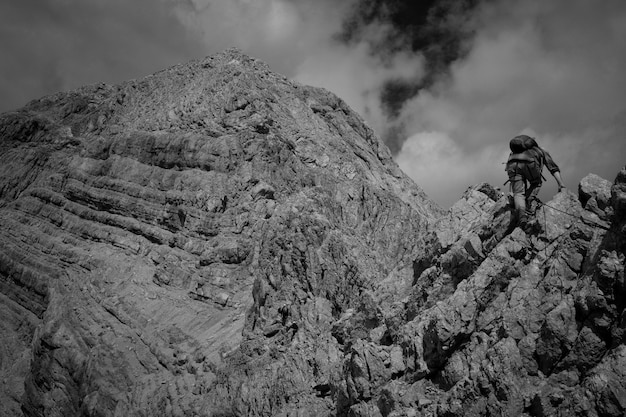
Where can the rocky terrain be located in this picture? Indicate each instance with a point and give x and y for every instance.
(217, 240)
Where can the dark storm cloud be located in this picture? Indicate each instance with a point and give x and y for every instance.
(493, 69)
(551, 69)
(437, 30)
(53, 45)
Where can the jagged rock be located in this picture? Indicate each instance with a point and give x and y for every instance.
(618, 195)
(502, 322)
(217, 240)
(594, 193)
(182, 244)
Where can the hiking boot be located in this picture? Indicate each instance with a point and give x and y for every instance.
(532, 206)
(522, 222)
(531, 215)
(532, 227)
(510, 201)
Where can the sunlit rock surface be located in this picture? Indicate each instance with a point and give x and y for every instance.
(216, 240)
(183, 244)
(503, 322)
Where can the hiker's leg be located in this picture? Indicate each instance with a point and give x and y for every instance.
(531, 197)
(519, 199)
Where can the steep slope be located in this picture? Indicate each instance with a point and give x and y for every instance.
(216, 240)
(503, 322)
(182, 244)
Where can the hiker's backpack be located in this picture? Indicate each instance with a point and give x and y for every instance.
(527, 156)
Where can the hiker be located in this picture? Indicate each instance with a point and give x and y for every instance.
(524, 168)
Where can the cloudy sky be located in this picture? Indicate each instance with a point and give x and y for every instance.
(446, 83)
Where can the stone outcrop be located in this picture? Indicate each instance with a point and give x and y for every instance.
(184, 243)
(216, 240)
(503, 322)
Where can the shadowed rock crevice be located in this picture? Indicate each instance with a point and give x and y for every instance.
(184, 243)
(498, 321)
(217, 240)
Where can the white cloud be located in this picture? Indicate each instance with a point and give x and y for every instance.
(51, 45)
(282, 33)
(444, 169)
(553, 68)
(297, 39)
(357, 77)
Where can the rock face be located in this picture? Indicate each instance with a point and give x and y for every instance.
(183, 244)
(216, 240)
(503, 322)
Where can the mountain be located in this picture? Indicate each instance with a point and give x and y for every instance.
(217, 240)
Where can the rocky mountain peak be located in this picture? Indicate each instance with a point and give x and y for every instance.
(215, 239)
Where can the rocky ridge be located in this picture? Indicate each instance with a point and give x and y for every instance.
(504, 322)
(217, 240)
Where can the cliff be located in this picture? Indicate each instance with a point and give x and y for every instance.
(503, 322)
(217, 240)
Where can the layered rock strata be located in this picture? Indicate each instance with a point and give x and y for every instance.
(182, 244)
(216, 240)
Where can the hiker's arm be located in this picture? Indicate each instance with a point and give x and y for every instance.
(559, 180)
(550, 164)
(553, 168)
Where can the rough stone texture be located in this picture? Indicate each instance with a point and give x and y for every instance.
(216, 240)
(503, 322)
(182, 244)
(594, 193)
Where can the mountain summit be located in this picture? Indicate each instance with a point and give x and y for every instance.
(217, 240)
